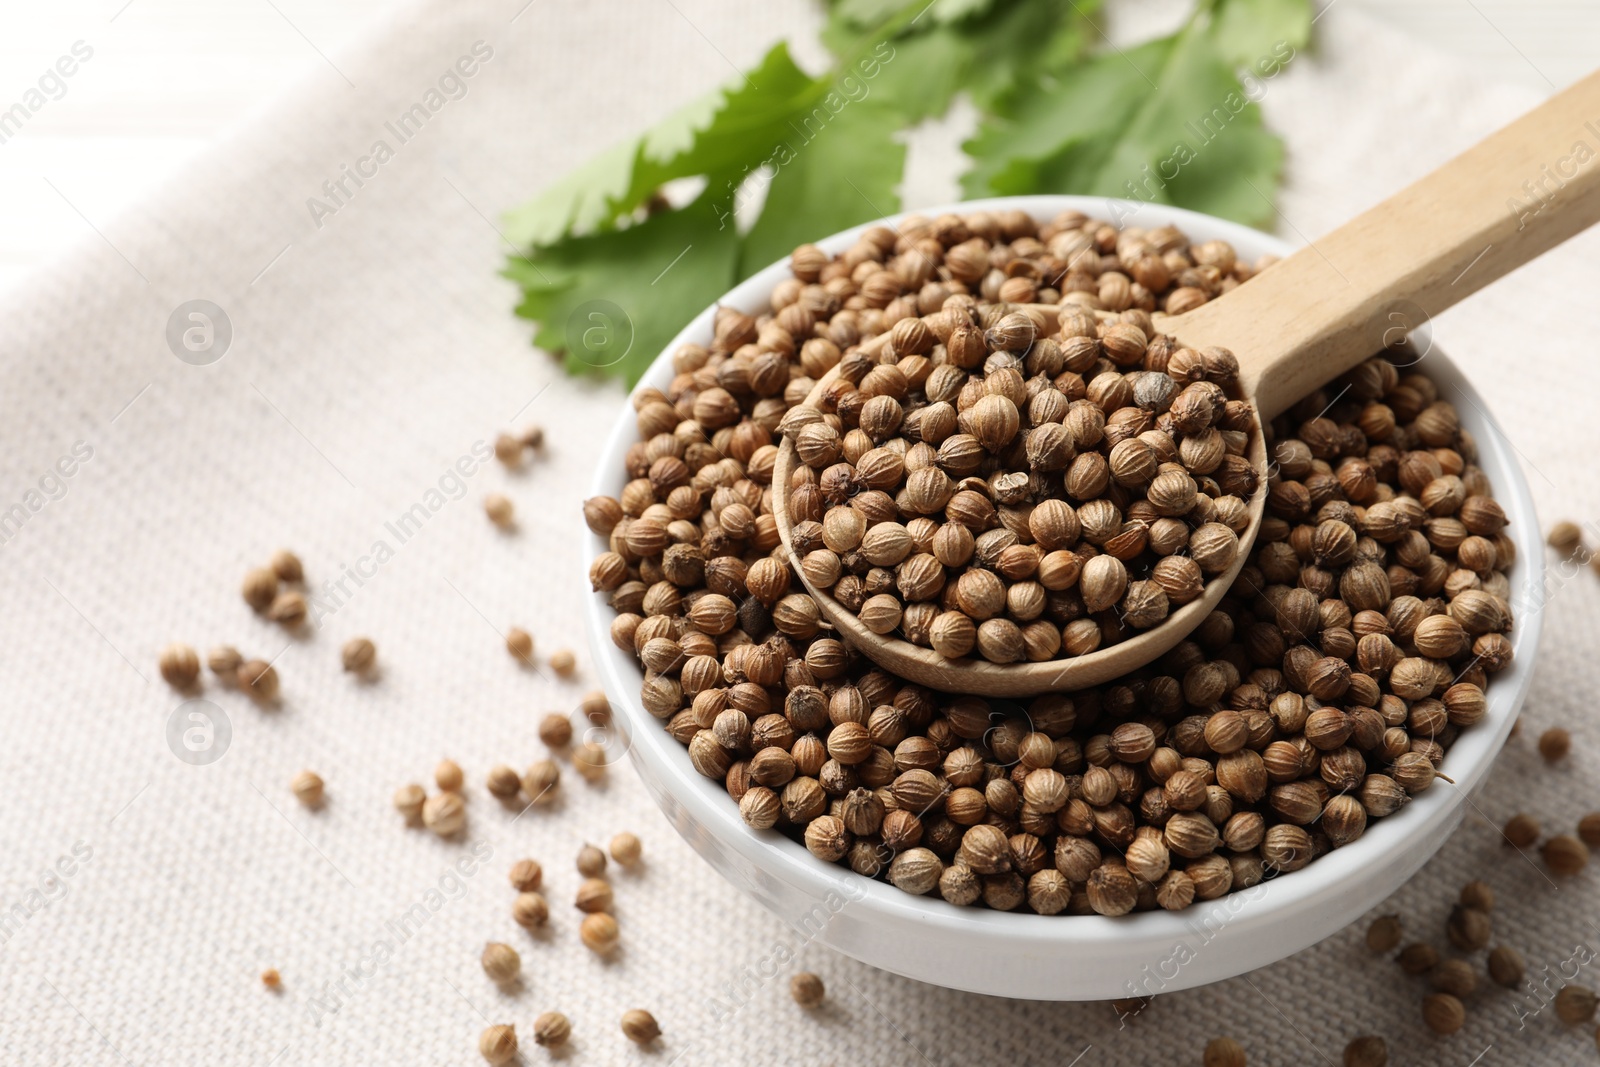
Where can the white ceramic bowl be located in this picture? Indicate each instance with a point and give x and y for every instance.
(1070, 957)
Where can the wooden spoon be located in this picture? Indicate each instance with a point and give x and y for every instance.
(1305, 321)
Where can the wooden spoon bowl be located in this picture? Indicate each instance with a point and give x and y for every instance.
(1294, 328)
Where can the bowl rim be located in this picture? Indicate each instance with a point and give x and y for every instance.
(1323, 887)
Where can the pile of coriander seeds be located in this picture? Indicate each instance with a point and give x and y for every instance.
(1322, 692)
(993, 482)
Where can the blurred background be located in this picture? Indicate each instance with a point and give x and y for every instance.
(170, 77)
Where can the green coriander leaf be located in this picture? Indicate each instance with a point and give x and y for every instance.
(1247, 33)
(580, 202)
(614, 299)
(833, 176)
(1167, 121)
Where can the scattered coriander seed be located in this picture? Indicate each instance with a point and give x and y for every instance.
(1368, 1050)
(1224, 1052)
(444, 813)
(1575, 1004)
(541, 781)
(271, 978)
(530, 910)
(499, 509)
(555, 730)
(1468, 928)
(591, 861)
(1456, 977)
(526, 875)
(224, 662)
(1477, 894)
(596, 708)
(288, 608)
(626, 849)
(1554, 744)
(286, 565)
(180, 665)
(498, 1044)
(449, 776)
(500, 962)
(1384, 933)
(359, 654)
(563, 662)
(551, 1030)
(409, 799)
(1506, 967)
(1130, 1007)
(307, 786)
(1565, 855)
(589, 760)
(532, 436)
(259, 679)
(599, 932)
(640, 1026)
(503, 782)
(519, 643)
(1589, 829)
(807, 989)
(1521, 831)
(259, 588)
(508, 450)
(1565, 537)
(1443, 1013)
(1419, 957)
(594, 895)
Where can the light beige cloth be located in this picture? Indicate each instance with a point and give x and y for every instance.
(371, 357)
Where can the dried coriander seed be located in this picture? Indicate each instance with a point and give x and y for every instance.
(1565, 855)
(259, 588)
(288, 608)
(498, 1044)
(1443, 1013)
(503, 782)
(1589, 829)
(180, 665)
(259, 679)
(591, 861)
(551, 1030)
(500, 962)
(1565, 537)
(444, 814)
(1224, 1052)
(224, 661)
(519, 643)
(359, 655)
(1367, 1051)
(272, 979)
(589, 760)
(499, 508)
(807, 989)
(563, 662)
(1554, 744)
(1384, 933)
(1575, 1004)
(599, 932)
(1419, 957)
(1521, 831)
(1455, 977)
(530, 910)
(640, 1026)
(409, 799)
(626, 849)
(307, 787)
(594, 895)
(541, 781)
(1506, 967)
(449, 776)
(1477, 894)
(508, 450)
(526, 875)
(286, 565)
(555, 730)
(1468, 928)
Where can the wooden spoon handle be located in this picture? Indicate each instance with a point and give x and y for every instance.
(1332, 304)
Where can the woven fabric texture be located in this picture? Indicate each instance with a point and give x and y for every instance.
(371, 357)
